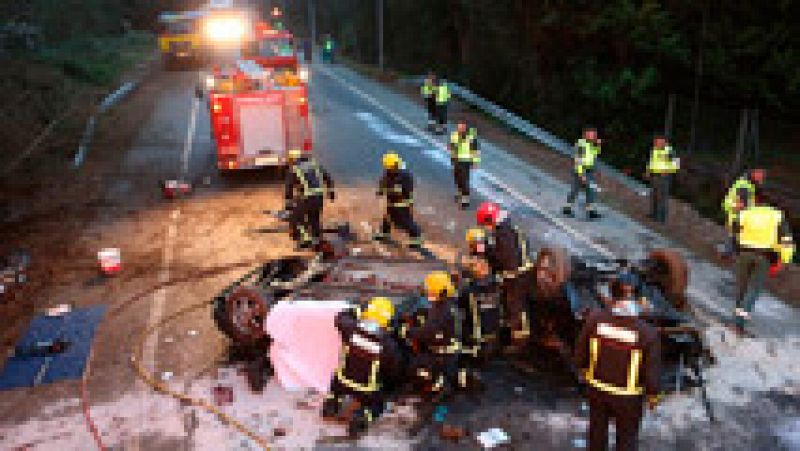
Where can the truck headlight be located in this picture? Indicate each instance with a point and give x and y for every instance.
(303, 74)
(225, 30)
(210, 82)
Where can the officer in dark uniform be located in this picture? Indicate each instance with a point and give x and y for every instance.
(511, 266)
(435, 340)
(397, 184)
(306, 184)
(371, 364)
(621, 357)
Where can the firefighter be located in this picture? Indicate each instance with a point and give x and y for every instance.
(442, 98)
(763, 238)
(397, 184)
(371, 364)
(586, 151)
(620, 356)
(327, 49)
(435, 340)
(662, 167)
(463, 154)
(428, 90)
(511, 267)
(750, 182)
(477, 301)
(306, 184)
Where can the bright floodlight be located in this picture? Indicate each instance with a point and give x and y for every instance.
(228, 29)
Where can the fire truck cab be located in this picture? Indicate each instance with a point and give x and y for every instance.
(275, 49)
(257, 115)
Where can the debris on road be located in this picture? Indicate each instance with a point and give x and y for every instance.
(110, 261)
(166, 375)
(493, 437)
(279, 432)
(449, 432)
(193, 333)
(58, 310)
(172, 189)
(579, 443)
(223, 395)
(13, 269)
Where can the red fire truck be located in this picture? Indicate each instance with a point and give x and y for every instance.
(257, 115)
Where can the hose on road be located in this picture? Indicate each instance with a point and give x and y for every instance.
(138, 349)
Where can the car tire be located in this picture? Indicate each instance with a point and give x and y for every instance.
(241, 314)
(672, 274)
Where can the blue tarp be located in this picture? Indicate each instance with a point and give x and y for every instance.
(76, 327)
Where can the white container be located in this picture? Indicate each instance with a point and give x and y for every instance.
(110, 261)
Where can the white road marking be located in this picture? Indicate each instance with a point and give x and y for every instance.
(599, 248)
(190, 132)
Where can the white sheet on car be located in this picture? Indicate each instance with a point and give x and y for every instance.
(306, 345)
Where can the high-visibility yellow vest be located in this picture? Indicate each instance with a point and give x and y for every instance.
(587, 154)
(729, 203)
(442, 93)
(427, 89)
(758, 227)
(462, 146)
(661, 161)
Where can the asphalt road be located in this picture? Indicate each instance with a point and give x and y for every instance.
(754, 387)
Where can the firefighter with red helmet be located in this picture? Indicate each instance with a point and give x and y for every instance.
(371, 364)
(435, 340)
(620, 355)
(397, 184)
(305, 186)
(507, 252)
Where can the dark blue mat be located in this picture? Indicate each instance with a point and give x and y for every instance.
(77, 327)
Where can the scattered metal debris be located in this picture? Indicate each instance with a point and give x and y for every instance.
(223, 395)
(493, 437)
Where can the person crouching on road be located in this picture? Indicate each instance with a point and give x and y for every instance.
(511, 266)
(763, 238)
(662, 167)
(620, 355)
(397, 184)
(464, 154)
(428, 91)
(306, 184)
(586, 151)
(434, 363)
(371, 364)
(442, 98)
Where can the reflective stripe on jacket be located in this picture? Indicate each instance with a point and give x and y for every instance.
(442, 93)
(464, 147)
(742, 183)
(662, 161)
(586, 154)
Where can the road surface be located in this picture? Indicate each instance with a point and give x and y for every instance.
(755, 387)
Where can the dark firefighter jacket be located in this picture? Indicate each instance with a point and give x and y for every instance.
(620, 354)
(481, 315)
(438, 332)
(305, 179)
(371, 359)
(507, 250)
(398, 187)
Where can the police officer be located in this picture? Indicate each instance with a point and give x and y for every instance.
(435, 339)
(763, 237)
(480, 310)
(306, 184)
(621, 358)
(371, 364)
(327, 49)
(750, 182)
(463, 154)
(511, 267)
(397, 184)
(428, 91)
(661, 169)
(442, 98)
(586, 151)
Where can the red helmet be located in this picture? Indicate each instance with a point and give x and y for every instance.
(488, 214)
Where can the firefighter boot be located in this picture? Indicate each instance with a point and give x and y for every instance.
(592, 214)
(567, 210)
(358, 422)
(330, 407)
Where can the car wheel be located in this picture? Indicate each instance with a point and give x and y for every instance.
(671, 273)
(242, 315)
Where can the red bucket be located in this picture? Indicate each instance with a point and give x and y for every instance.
(110, 261)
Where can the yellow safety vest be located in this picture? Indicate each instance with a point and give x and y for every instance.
(427, 89)
(661, 161)
(588, 153)
(729, 204)
(758, 227)
(463, 147)
(442, 93)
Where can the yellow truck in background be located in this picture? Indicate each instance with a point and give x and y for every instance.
(180, 38)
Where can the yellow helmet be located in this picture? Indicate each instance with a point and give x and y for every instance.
(475, 235)
(438, 285)
(391, 160)
(379, 310)
(294, 155)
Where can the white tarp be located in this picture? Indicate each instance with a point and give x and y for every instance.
(306, 345)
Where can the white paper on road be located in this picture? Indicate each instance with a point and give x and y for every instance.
(306, 345)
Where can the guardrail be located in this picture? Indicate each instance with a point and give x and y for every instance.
(530, 130)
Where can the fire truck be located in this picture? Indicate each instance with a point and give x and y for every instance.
(274, 48)
(257, 115)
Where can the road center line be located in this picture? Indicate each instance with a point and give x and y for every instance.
(190, 132)
(599, 248)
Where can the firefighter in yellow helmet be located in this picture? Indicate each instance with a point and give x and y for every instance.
(620, 356)
(397, 184)
(434, 338)
(763, 239)
(371, 364)
(305, 187)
